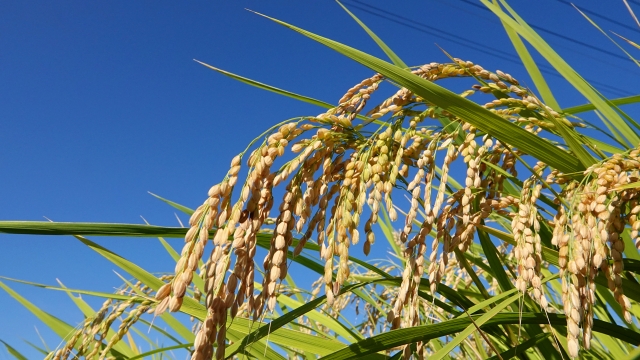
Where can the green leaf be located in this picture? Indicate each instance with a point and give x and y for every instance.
(606, 147)
(88, 311)
(263, 86)
(134, 270)
(476, 280)
(574, 141)
(473, 327)
(467, 110)
(75, 291)
(37, 348)
(261, 350)
(532, 68)
(520, 26)
(13, 352)
(182, 208)
(520, 348)
(281, 321)
(491, 253)
(589, 107)
(96, 229)
(399, 337)
(284, 337)
(387, 50)
(325, 320)
(608, 37)
(58, 326)
(635, 354)
(161, 350)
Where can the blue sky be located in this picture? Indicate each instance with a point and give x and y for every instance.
(101, 102)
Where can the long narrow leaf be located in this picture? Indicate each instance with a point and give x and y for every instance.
(97, 229)
(425, 333)
(58, 326)
(520, 348)
(182, 208)
(532, 68)
(472, 327)
(465, 109)
(387, 50)
(269, 87)
(517, 24)
(13, 352)
(589, 107)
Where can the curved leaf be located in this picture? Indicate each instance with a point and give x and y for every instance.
(465, 109)
(425, 333)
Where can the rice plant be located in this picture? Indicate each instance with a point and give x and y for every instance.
(515, 229)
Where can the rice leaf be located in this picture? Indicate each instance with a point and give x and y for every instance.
(263, 86)
(520, 348)
(283, 320)
(37, 348)
(95, 229)
(425, 333)
(517, 24)
(13, 352)
(589, 107)
(387, 50)
(473, 327)
(532, 68)
(321, 318)
(182, 208)
(161, 350)
(88, 311)
(593, 23)
(467, 110)
(99, 294)
(58, 326)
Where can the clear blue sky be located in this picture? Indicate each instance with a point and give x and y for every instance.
(101, 102)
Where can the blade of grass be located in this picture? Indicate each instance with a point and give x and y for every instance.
(491, 253)
(287, 337)
(134, 270)
(589, 107)
(387, 50)
(286, 318)
(520, 348)
(13, 352)
(321, 318)
(517, 24)
(160, 350)
(474, 277)
(88, 311)
(263, 86)
(262, 350)
(182, 208)
(473, 327)
(465, 109)
(74, 291)
(37, 348)
(97, 229)
(58, 326)
(425, 333)
(532, 67)
(593, 23)
(606, 147)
